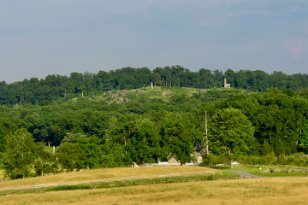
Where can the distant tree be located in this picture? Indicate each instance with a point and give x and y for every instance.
(231, 133)
(79, 151)
(77, 83)
(115, 141)
(180, 136)
(241, 79)
(56, 87)
(68, 156)
(205, 78)
(6, 127)
(144, 143)
(278, 120)
(303, 139)
(260, 80)
(20, 154)
(218, 78)
(103, 81)
(45, 161)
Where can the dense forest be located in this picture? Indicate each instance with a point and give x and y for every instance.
(115, 118)
(55, 87)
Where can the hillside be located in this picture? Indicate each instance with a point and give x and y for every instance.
(56, 87)
(147, 125)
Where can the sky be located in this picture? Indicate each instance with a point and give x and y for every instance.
(42, 37)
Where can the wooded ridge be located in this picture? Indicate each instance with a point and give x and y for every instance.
(108, 127)
(55, 87)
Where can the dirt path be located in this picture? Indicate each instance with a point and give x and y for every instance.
(245, 175)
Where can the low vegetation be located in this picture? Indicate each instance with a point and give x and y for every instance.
(161, 185)
(108, 174)
(268, 191)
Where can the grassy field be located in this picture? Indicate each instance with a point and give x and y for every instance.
(263, 191)
(112, 174)
(146, 188)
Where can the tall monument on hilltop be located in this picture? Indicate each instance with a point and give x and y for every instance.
(226, 85)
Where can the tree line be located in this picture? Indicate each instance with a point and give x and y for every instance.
(117, 128)
(55, 87)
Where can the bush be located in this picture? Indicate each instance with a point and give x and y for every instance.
(298, 159)
(214, 160)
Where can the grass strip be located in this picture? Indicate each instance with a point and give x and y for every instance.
(277, 171)
(124, 183)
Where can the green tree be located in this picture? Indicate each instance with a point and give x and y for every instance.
(45, 161)
(231, 133)
(303, 139)
(180, 136)
(115, 141)
(144, 143)
(79, 151)
(20, 154)
(6, 127)
(68, 156)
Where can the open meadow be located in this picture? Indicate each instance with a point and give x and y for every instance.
(101, 175)
(279, 190)
(271, 191)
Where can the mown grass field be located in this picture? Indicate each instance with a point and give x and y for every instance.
(265, 190)
(111, 174)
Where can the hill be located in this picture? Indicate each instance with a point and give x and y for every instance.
(56, 87)
(147, 125)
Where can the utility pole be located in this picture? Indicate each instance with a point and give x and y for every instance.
(206, 139)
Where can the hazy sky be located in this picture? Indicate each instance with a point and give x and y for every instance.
(41, 37)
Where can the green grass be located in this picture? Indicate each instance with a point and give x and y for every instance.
(226, 174)
(267, 191)
(195, 188)
(136, 182)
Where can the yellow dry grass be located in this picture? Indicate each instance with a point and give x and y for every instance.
(105, 175)
(265, 191)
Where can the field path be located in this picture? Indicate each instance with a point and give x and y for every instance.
(245, 174)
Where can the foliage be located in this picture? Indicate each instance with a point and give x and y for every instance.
(45, 161)
(145, 143)
(181, 136)
(117, 128)
(298, 159)
(303, 139)
(231, 133)
(79, 152)
(57, 87)
(20, 154)
(214, 160)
